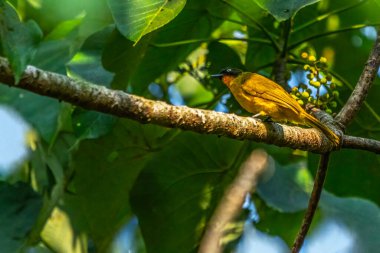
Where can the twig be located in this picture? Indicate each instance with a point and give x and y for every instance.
(354, 103)
(231, 203)
(320, 35)
(329, 14)
(279, 66)
(353, 142)
(185, 42)
(313, 202)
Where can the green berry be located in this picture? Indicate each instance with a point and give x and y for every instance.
(328, 111)
(315, 84)
(305, 94)
(304, 55)
(335, 93)
(333, 104)
(323, 80)
(312, 58)
(300, 102)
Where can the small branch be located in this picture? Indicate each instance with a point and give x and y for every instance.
(232, 201)
(121, 104)
(326, 15)
(279, 66)
(185, 42)
(313, 202)
(320, 35)
(354, 103)
(352, 142)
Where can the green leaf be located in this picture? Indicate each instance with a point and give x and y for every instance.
(86, 64)
(283, 10)
(91, 124)
(286, 189)
(360, 217)
(136, 18)
(178, 189)
(105, 170)
(41, 112)
(358, 176)
(59, 46)
(19, 206)
(18, 40)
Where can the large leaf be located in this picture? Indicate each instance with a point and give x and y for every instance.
(283, 10)
(178, 189)
(136, 18)
(357, 176)
(18, 40)
(288, 190)
(105, 170)
(19, 206)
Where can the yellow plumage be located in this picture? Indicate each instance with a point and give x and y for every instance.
(260, 95)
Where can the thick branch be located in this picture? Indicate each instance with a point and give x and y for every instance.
(119, 103)
(354, 103)
(232, 201)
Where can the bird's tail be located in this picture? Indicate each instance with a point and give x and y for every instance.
(327, 131)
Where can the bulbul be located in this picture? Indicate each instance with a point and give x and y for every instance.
(263, 97)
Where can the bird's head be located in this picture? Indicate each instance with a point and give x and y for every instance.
(227, 75)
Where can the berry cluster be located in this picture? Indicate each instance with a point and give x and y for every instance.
(320, 80)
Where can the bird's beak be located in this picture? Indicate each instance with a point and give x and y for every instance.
(216, 75)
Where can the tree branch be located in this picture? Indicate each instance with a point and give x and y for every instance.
(232, 201)
(353, 105)
(121, 104)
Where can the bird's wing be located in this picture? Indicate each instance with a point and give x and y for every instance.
(260, 86)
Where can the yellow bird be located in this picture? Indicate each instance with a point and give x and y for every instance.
(263, 97)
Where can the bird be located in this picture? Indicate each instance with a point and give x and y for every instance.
(263, 97)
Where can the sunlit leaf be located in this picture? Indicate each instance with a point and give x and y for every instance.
(283, 10)
(136, 18)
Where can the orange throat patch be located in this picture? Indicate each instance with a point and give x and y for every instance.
(227, 79)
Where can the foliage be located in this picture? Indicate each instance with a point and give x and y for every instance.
(92, 174)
